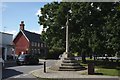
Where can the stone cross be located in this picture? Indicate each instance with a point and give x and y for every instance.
(67, 46)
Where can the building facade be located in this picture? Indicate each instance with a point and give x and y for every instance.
(6, 47)
(29, 42)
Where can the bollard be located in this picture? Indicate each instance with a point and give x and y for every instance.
(91, 68)
(44, 67)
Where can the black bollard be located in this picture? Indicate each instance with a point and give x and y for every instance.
(91, 68)
(44, 67)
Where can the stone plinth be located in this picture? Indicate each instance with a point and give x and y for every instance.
(70, 64)
(67, 63)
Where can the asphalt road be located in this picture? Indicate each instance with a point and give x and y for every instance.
(19, 72)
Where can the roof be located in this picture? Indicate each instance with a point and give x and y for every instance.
(30, 36)
(6, 33)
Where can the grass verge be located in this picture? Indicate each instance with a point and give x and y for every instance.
(109, 72)
(104, 67)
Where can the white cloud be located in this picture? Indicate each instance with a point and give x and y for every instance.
(38, 13)
(41, 28)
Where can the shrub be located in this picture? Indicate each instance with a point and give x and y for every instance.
(54, 53)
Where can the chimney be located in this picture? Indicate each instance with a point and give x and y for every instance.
(22, 25)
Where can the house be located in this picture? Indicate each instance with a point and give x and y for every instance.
(6, 47)
(29, 42)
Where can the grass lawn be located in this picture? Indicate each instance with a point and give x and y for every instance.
(109, 72)
(104, 67)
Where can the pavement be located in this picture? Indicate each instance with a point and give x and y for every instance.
(14, 72)
(69, 75)
(10, 63)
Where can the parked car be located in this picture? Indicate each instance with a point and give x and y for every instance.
(27, 59)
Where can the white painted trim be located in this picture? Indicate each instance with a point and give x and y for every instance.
(5, 54)
(25, 35)
(15, 36)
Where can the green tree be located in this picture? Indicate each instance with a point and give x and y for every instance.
(93, 27)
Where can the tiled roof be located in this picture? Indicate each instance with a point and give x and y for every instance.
(32, 37)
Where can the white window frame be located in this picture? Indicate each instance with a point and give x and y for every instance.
(38, 44)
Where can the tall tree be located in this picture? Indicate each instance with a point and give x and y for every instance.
(93, 27)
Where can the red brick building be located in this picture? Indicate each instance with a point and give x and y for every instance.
(29, 42)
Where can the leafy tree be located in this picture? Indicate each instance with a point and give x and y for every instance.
(93, 27)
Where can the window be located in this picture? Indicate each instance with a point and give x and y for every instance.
(35, 51)
(41, 44)
(42, 50)
(32, 50)
(32, 43)
(44, 45)
(39, 51)
(38, 44)
(35, 44)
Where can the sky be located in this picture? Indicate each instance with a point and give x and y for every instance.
(15, 12)
(12, 12)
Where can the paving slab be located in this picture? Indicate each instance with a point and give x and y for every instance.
(66, 75)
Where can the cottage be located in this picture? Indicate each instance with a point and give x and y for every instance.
(29, 43)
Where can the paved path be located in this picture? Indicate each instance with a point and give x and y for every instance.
(20, 71)
(16, 72)
(70, 75)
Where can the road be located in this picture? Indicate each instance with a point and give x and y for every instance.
(23, 71)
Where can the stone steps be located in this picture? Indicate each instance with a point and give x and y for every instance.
(69, 58)
(69, 61)
(70, 64)
(70, 67)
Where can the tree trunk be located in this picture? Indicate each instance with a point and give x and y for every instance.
(83, 58)
(90, 56)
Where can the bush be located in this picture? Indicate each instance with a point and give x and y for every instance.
(54, 53)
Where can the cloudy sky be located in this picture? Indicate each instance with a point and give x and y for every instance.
(15, 12)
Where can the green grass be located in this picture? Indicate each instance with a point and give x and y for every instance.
(109, 72)
(83, 64)
(89, 59)
(104, 67)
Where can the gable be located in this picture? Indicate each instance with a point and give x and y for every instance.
(18, 36)
(30, 36)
